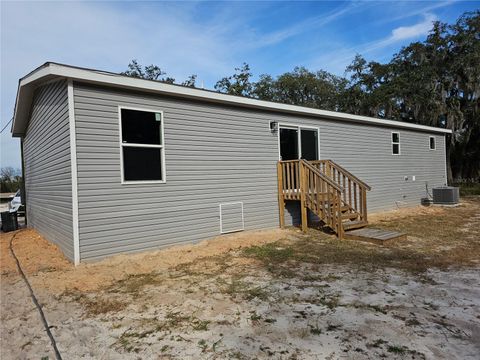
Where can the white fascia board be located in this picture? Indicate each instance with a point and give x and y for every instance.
(105, 78)
(24, 98)
(36, 75)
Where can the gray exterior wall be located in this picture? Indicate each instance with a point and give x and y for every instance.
(213, 155)
(48, 179)
(366, 151)
(220, 154)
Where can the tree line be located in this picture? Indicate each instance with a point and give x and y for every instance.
(10, 179)
(435, 82)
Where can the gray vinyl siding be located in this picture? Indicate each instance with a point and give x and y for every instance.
(213, 155)
(48, 180)
(232, 217)
(221, 154)
(366, 151)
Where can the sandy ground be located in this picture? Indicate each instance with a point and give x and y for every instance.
(58, 275)
(223, 299)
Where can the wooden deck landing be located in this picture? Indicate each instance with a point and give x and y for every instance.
(376, 236)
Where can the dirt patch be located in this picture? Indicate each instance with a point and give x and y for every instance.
(438, 238)
(402, 213)
(54, 273)
(33, 251)
(448, 235)
(270, 294)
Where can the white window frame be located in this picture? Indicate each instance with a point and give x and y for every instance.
(298, 127)
(397, 143)
(434, 143)
(162, 147)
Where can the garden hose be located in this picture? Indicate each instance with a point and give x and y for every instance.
(34, 299)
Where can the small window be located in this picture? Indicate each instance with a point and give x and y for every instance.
(142, 145)
(395, 143)
(432, 143)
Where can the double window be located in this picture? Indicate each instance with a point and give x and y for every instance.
(395, 143)
(142, 146)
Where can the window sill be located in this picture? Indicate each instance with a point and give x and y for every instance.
(140, 182)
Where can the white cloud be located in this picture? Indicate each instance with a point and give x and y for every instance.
(408, 32)
(103, 36)
(108, 35)
(299, 28)
(337, 59)
(401, 33)
(418, 11)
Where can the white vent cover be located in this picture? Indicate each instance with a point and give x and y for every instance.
(231, 217)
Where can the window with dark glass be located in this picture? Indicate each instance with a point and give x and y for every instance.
(395, 143)
(289, 144)
(432, 143)
(309, 139)
(142, 145)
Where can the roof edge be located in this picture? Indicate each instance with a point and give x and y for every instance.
(51, 69)
(23, 101)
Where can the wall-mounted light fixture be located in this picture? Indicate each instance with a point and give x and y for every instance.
(273, 126)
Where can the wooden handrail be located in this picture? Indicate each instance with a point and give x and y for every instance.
(321, 195)
(324, 187)
(354, 190)
(300, 180)
(344, 171)
(320, 174)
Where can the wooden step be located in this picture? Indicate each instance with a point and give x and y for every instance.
(350, 216)
(349, 225)
(376, 236)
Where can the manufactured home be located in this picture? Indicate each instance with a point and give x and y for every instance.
(116, 164)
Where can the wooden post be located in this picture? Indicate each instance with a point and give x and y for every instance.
(339, 216)
(329, 169)
(303, 205)
(281, 201)
(364, 204)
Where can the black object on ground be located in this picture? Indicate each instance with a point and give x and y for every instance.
(9, 221)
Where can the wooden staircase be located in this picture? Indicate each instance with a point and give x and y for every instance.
(331, 192)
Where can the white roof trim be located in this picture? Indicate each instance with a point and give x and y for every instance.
(50, 70)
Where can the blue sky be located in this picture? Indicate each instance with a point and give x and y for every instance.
(205, 38)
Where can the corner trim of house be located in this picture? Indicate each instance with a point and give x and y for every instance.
(445, 158)
(73, 158)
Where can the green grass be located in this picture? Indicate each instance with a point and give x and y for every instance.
(134, 284)
(200, 325)
(435, 241)
(270, 253)
(239, 287)
(396, 349)
(469, 189)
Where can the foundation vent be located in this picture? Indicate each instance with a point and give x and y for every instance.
(231, 217)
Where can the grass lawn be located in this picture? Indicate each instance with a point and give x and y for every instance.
(469, 189)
